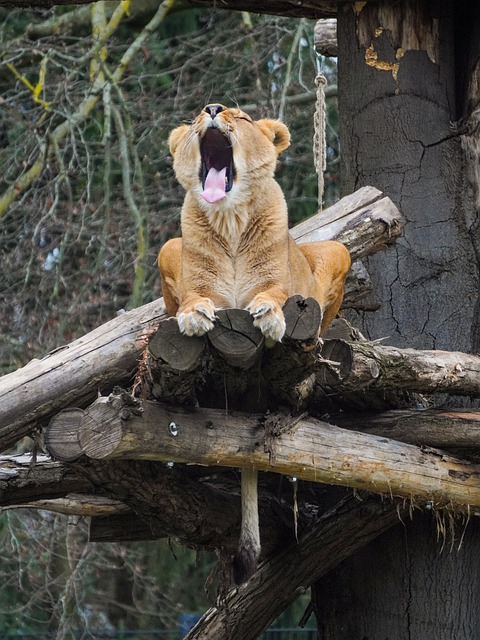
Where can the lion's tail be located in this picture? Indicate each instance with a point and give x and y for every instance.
(245, 561)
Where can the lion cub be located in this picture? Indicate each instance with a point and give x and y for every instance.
(236, 252)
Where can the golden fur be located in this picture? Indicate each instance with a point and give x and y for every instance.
(237, 252)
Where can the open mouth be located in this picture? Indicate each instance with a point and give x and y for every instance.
(217, 170)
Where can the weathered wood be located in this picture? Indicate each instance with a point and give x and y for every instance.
(235, 347)
(315, 9)
(442, 428)
(73, 375)
(365, 222)
(179, 351)
(79, 504)
(236, 339)
(308, 449)
(371, 366)
(325, 37)
(339, 533)
(22, 481)
(303, 317)
(292, 8)
(358, 286)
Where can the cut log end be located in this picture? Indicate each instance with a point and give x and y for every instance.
(303, 317)
(61, 437)
(180, 352)
(236, 339)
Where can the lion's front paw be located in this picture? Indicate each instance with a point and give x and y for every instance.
(197, 320)
(269, 318)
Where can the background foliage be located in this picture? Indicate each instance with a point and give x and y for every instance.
(79, 240)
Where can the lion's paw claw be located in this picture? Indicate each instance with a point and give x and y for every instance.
(198, 321)
(269, 319)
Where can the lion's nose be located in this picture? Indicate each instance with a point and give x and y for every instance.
(213, 109)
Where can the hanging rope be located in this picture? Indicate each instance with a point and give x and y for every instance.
(319, 144)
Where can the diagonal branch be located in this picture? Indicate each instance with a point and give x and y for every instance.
(249, 610)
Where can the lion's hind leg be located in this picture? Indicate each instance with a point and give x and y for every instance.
(170, 265)
(330, 263)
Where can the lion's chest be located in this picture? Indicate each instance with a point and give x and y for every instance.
(236, 281)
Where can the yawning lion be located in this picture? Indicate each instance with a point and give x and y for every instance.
(235, 250)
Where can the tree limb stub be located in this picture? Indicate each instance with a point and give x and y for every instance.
(249, 610)
(310, 450)
(372, 366)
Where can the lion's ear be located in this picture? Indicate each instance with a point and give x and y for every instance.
(175, 137)
(277, 132)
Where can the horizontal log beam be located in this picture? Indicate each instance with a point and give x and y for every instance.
(22, 482)
(307, 449)
(445, 429)
(313, 9)
(368, 366)
(79, 504)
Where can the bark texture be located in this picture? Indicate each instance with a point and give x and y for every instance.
(400, 132)
(408, 99)
(419, 581)
(249, 610)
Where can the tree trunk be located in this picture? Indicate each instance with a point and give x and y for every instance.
(249, 610)
(419, 581)
(397, 104)
(407, 71)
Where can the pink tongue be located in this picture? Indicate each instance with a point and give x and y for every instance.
(215, 185)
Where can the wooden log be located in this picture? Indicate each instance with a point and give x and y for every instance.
(235, 338)
(246, 612)
(303, 317)
(370, 367)
(312, 10)
(355, 221)
(283, 8)
(174, 364)
(235, 348)
(325, 37)
(79, 504)
(171, 502)
(310, 450)
(442, 428)
(22, 481)
(358, 286)
(73, 375)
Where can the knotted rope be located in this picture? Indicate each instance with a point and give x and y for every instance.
(319, 144)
